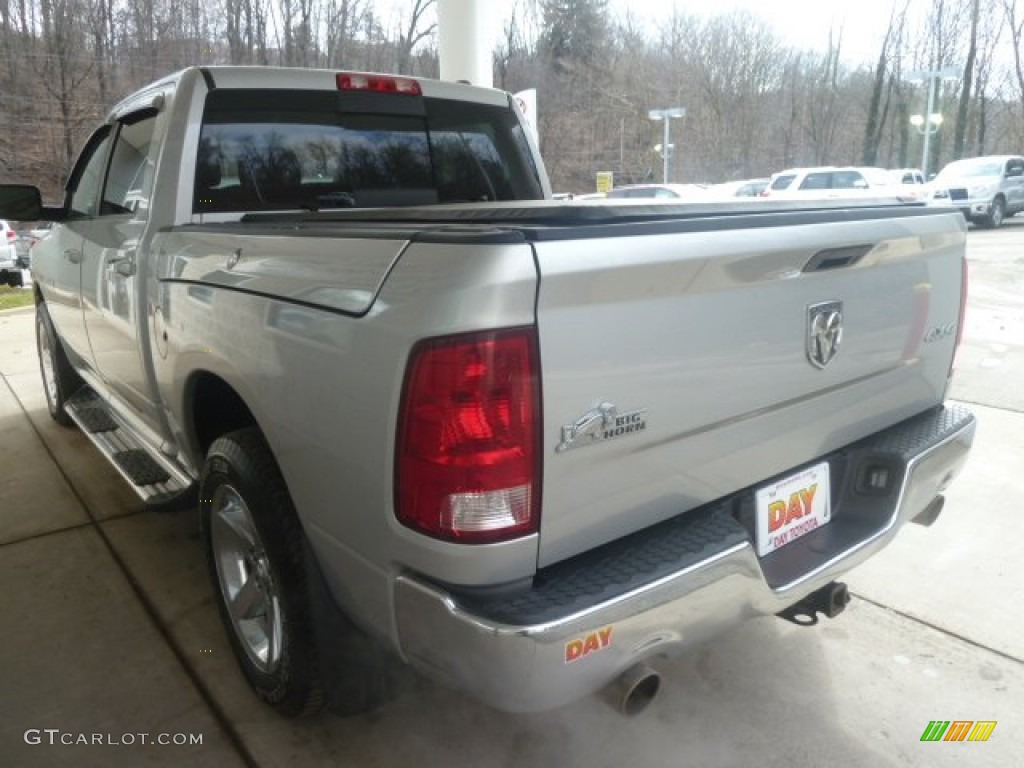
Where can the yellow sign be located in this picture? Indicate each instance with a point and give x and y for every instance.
(604, 181)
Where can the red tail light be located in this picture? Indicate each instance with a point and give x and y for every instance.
(362, 81)
(467, 464)
(11, 235)
(963, 315)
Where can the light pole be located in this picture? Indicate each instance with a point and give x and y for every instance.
(666, 115)
(930, 119)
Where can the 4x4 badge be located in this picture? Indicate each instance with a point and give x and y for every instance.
(824, 332)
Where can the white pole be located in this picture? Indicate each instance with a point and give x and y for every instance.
(464, 41)
(665, 151)
(932, 79)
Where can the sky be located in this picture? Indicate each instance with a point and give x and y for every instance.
(804, 24)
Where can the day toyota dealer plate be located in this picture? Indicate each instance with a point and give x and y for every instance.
(792, 507)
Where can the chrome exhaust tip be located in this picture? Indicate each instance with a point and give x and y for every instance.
(635, 689)
(930, 514)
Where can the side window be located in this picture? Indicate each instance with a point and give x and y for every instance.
(783, 181)
(84, 186)
(816, 181)
(1015, 167)
(848, 180)
(130, 176)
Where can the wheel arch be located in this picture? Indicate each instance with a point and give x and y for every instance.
(212, 409)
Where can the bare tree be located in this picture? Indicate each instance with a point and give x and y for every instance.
(825, 107)
(884, 81)
(413, 32)
(754, 105)
(511, 44)
(344, 18)
(960, 130)
(63, 70)
(1015, 24)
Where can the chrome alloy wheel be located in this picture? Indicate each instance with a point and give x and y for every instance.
(46, 363)
(246, 582)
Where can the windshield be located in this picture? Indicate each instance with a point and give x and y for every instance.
(304, 150)
(969, 168)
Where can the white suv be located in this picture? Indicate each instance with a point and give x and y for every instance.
(10, 272)
(985, 189)
(829, 183)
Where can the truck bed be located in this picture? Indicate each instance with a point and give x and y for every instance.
(691, 320)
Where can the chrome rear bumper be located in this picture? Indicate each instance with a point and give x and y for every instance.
(562, 655)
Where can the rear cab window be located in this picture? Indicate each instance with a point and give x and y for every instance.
(286, 150)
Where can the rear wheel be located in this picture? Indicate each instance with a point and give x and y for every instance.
(295, 647)
(60, 380)
(256, 553)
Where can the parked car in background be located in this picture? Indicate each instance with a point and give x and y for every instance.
(908, 176)
(742, 188)
(985, 189)
(10, 272)
(41, 230)
(829, 183)
(908, 184)
(659, 190)
(23, 250)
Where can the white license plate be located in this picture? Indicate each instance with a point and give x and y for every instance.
(792, 507)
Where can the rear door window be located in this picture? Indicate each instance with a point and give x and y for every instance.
(816, 181)
(848, 180)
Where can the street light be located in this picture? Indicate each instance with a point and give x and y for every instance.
(931, 124)
(666, 145)
(934, 122)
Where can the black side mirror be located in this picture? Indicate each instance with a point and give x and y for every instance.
(20, 202)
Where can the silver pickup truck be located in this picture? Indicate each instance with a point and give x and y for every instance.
(429, 414)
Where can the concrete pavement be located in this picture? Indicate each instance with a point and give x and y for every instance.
(111, 630)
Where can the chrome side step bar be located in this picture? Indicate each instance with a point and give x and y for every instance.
(156, 480)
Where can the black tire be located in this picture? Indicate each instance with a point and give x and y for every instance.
(60, 380)
(240, 469)
(996, 214)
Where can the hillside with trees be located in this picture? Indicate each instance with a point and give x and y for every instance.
(754, 104)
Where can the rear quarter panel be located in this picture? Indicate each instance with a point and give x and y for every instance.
(324, 386)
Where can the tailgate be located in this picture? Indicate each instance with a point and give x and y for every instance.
(684, 361)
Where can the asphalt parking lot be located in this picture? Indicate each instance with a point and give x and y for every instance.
(111, 629)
